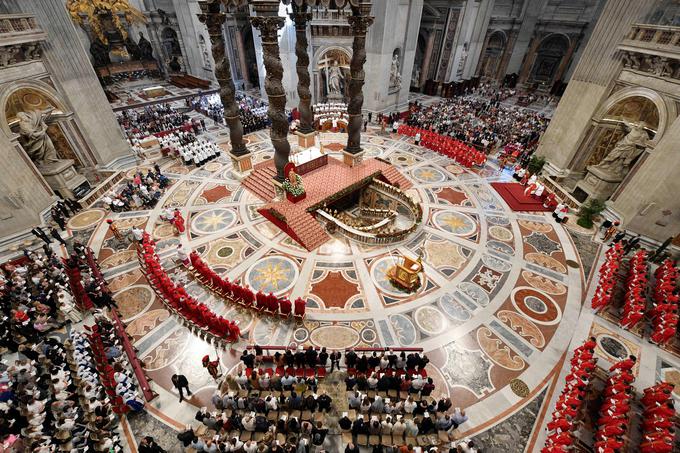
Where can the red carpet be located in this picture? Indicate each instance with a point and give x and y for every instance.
(513, 194)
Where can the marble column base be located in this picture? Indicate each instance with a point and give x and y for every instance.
(243, 165)
(596, 184)
(63, 178)
(306, 140)
(352, 159)
(280, 192)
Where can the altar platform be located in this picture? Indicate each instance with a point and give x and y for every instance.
(322, 185)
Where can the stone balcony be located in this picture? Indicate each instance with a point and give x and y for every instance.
(20, 37)
(19, 29)
(653, 49)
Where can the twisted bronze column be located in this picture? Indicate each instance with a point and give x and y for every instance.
(300, 16)
(359, 26)
(213, 18)
(268, 27)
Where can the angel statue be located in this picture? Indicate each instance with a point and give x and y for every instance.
(36, 141)
(335, 79)
(617, 163)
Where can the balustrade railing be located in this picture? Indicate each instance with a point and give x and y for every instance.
(19, 29)
(658, 36)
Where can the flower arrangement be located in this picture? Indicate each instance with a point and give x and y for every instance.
(296, 189)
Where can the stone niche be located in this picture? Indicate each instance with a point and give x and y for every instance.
(59, 172)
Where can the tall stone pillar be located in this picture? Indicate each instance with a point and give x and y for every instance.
(359, 23)
(214, 19)
(301, 17)
(425, 68)
(268, 27)
(588, 87)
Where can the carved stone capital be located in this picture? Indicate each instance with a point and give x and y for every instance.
(301, 18)
(360, 24)
(211, 16)
(268, 26)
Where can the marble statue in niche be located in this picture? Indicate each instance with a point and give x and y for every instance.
(37, 143)
(145, 48)
(618, 161)
(395, 75)
(335, 79)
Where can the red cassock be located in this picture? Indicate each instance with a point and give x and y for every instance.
(285, 306)
(299, 307)
(179, 221)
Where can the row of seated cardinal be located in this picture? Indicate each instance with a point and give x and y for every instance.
(177, 297)
(664, 310)
(658, 427)
(245, 296)
(463, 154)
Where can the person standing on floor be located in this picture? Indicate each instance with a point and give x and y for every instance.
(180, 382)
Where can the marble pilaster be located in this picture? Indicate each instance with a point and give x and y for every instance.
(589, 85)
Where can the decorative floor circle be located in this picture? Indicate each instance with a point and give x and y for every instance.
(455, 222)
(428, 175)
(86, 219)
(519, 388)
(274, 274)
(213, 221)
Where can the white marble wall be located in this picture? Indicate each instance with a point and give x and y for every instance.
(68, 63)
(396, 27)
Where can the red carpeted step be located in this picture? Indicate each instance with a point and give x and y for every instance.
(513, 194)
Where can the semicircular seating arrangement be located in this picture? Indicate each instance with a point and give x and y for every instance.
(195, 314)
(243, 296)
(463, 154)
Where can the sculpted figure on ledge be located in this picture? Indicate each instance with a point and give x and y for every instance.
(36, 141)
(617, 163)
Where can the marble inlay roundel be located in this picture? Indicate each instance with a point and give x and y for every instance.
(213, 221)
(274, 274)
(428, 175)
(430, 320)
(537, 306)
(335, 337)
(86, 219)
(455, 222)
(133, 300)
(500, 233)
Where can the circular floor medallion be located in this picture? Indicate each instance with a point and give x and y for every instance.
(500, 233)
(86, 219)
(455, 222)
(335, 337)
(573, 264)
(430, 320)
(428, 175)
(539, 307)
(213, 221)
(274, 274)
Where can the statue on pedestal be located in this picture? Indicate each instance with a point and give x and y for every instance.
(145, 48)
(36, 141)
(335, 79)
(617, 163)
(395, 76)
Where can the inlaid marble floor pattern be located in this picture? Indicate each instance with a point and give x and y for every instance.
(497, 309)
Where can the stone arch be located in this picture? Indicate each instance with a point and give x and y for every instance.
(41, 88)
(550, 55)
(489, 64)
(602, 133)
(666, 109)
(320, 89)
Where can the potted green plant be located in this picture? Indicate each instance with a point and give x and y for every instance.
(588, 211)
(536, 164)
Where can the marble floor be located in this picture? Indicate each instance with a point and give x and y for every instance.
(499, 307)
